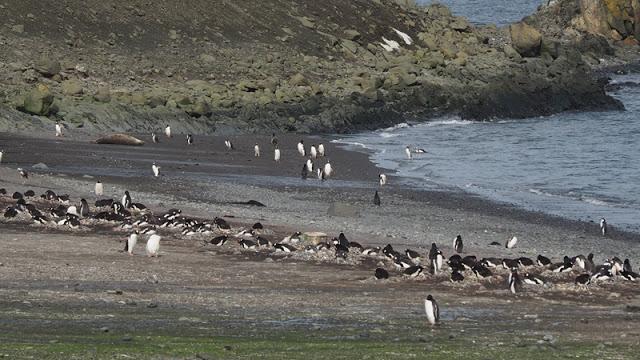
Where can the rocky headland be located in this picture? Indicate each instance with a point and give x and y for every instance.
(300, 66)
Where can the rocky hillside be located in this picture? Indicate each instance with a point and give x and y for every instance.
(229, 66)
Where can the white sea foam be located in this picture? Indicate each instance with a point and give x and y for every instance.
(347, 142)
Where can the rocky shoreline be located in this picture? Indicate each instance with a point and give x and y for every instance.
(304, 68)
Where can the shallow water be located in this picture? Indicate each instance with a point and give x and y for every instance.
(499, 12)
(577, 165)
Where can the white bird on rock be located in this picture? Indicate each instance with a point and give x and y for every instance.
(406, 38)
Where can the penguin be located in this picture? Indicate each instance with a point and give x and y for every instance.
(138, 207)
(419, 151)
(510, 264)
(627, 266)
(245, 234)
(276, 154)
(321, 150)
(309, 165)
(356, 246)
(371, 251)
(413, 271)
(454, 259)
(457, 244)
(413, 255)
(629, 275)
(10, 212)
(3, 191)
(256, 150)
(456, 276)
(16, 195)
(167, 131)
(323, 246)
(565, 266)
(603, 226)
(436, 258)
(221, 223)
(84, 208)
(23, 173)
(1, 154)
(262, 241)
(543, 260)
(58, 129)
(432, 310)
(515, 283)
(481, 271)
(525, 261)
(293, 238)
(304, 173)
(29, 193)
(376, 199)
(320, 174)
(382, 179)
(407, 151)
(153, 245)
(301, 149)
(156, 169)
(531, 279)
(189, 139)
(131, 242)
(381, 273)
(154, 138)
(511, 243)
(328, 170)
(284, 248)
(313, 152)
(99, 188)
(274, 139)
(403, 262)
(247, 244)
(583, 279)
(126, 200)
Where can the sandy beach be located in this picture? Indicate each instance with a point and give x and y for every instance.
(75, 292)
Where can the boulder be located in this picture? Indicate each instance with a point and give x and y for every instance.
(298, 80)
(71, 87)
(461, 24)
(349, 46)
(352, 34)
(525, 39)
(38, 101)
(48, 66)
(120, 139)
(103, 95)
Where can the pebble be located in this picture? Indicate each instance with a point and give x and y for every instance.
(104, 329)
(152, 305)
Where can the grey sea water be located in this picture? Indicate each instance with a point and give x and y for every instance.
(580, 165)
(499, 12)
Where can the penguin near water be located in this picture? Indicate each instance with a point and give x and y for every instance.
(457, 244)
(321, 150)
(382, 179)
(309, 164)
(1, 154)
(313, 151)
(301, 149)
(131, 242)
(256, 150)
(407, 151)
(328, 170)
(304, 174)
(99, 188)
(432, 310)
(153, 245)
(515, 283)
(189, 139)
(228, 144)
(58, 129)
(603, 226)
(154, 138)
(376, 199)
(156, 169)
(167, 131)
(276, 154)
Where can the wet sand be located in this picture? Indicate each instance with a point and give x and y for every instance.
(49, 274)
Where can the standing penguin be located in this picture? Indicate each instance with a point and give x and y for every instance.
(126, 200)
(274, 139)
(511, 243)
(382, 179)
(515, 283)
(58, 129)
(320, 150)
(436, 258)
(23, 173)
(153, 245)
(189, 139)
(407, 151)
(328, 170)
(276, 154)
(376, 199)
(256, 150)
(131, 242)
(99, 189)
(305, 172)
(603, 226)
(457, 244)
(309, 165)
(167, 131)
(228, 144)
(156, 169)
(84, 208)
(432, 310)
(301, 149)
(1, 153)
(313, 151)
(154, 138)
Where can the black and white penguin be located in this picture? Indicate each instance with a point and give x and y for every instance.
(355, 246)
(246, 234)
(413, 271)
(131, 242)
(10, 212)
(321, 152)
(626, 266)
(301, 149)
(531, 279)
(294, 238)
(29, 193)
(167, 131)
(515, 283)
(138, 207)
(371, 251)
(327, 170)
(490, 262)
(413, 255)
(469, 261)
(154, 138)
(456, 276)
(189, 139)
(565, 266)
(155, 169)
(126, 200)
(309, 164)
(84, 208)
(407, 151)
(511, 243)
(419, 151)
(58, 129)
(525, 261)
(1, 154)
(583, 279)
(382, 179)
(228, 144)
(221, 224)
(16, 195)
(432, 310)
(436, 258)
(457, 244)
(376, 199)
(402, 262)
(323, 246)
(284, 247)
(381, 273)
(629, 275)
(510, 263)
(543, 260)
(274, 140)
(304, 173)
(23, 173)
(481, 271)
(276, 154)
(247, 244)
(3, 191)
(257, 226)
(313, 152)
(603, 226)
(263, 241)
(256, 150)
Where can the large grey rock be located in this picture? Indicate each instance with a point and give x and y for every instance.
(48, 66)
(38, 101)
(71, 87)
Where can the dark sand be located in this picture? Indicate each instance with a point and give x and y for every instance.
(54, 282)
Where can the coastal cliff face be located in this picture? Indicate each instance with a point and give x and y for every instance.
(244, 66)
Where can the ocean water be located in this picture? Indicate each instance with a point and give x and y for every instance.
(499, 12)
(580, 165)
